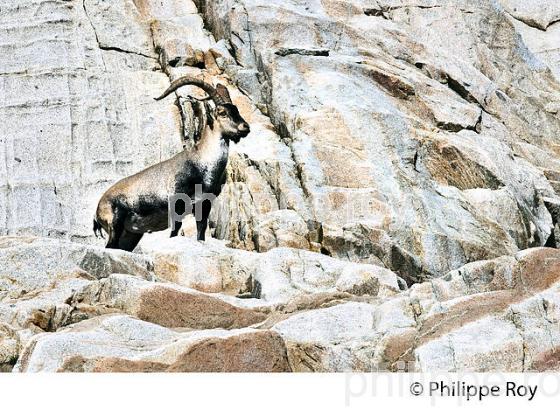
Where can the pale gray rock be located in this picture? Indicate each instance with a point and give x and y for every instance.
(325, 315)
(9, 347)
(40, 276)
(208, 267)
(118, 26)
(48, 285)
(285, 273)
(282, 273)
(77, 111)
(486, 345)
(342, 338)
(163, 304)
(540, 14)
(121, 343)
(165, 10)
(44, 310)
(30, 264)
(500, 207)
(184, 40)
(390, 128)
(282, 228)
(544, 45)
(474, 319)
(334, 339)
(311, 175)
(222, 54)
(536, 320)
(332, 325)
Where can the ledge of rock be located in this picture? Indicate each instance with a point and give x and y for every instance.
(162, 304)
(498, 315)
(114, 312)
(121, 343)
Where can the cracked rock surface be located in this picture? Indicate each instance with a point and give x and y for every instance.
(395, 207)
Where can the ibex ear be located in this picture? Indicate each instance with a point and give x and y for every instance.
(223, 92)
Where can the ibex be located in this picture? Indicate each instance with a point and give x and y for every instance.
(140, 203)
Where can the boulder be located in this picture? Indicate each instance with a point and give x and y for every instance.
(120, 343)
(39, 277)
(31, 264)
(281, 274)
(163, 304)
(498, 314)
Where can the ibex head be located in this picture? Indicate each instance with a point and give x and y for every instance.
(226, 115)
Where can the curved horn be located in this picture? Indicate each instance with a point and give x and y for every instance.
(180, 82)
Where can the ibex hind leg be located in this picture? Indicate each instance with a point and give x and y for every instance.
(179, 209)
(129, 240)
(116, 229)
(113, 241)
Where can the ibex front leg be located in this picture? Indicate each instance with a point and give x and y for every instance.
(201, 212)
(179, 206)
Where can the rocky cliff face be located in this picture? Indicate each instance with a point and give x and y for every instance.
(389, 210)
